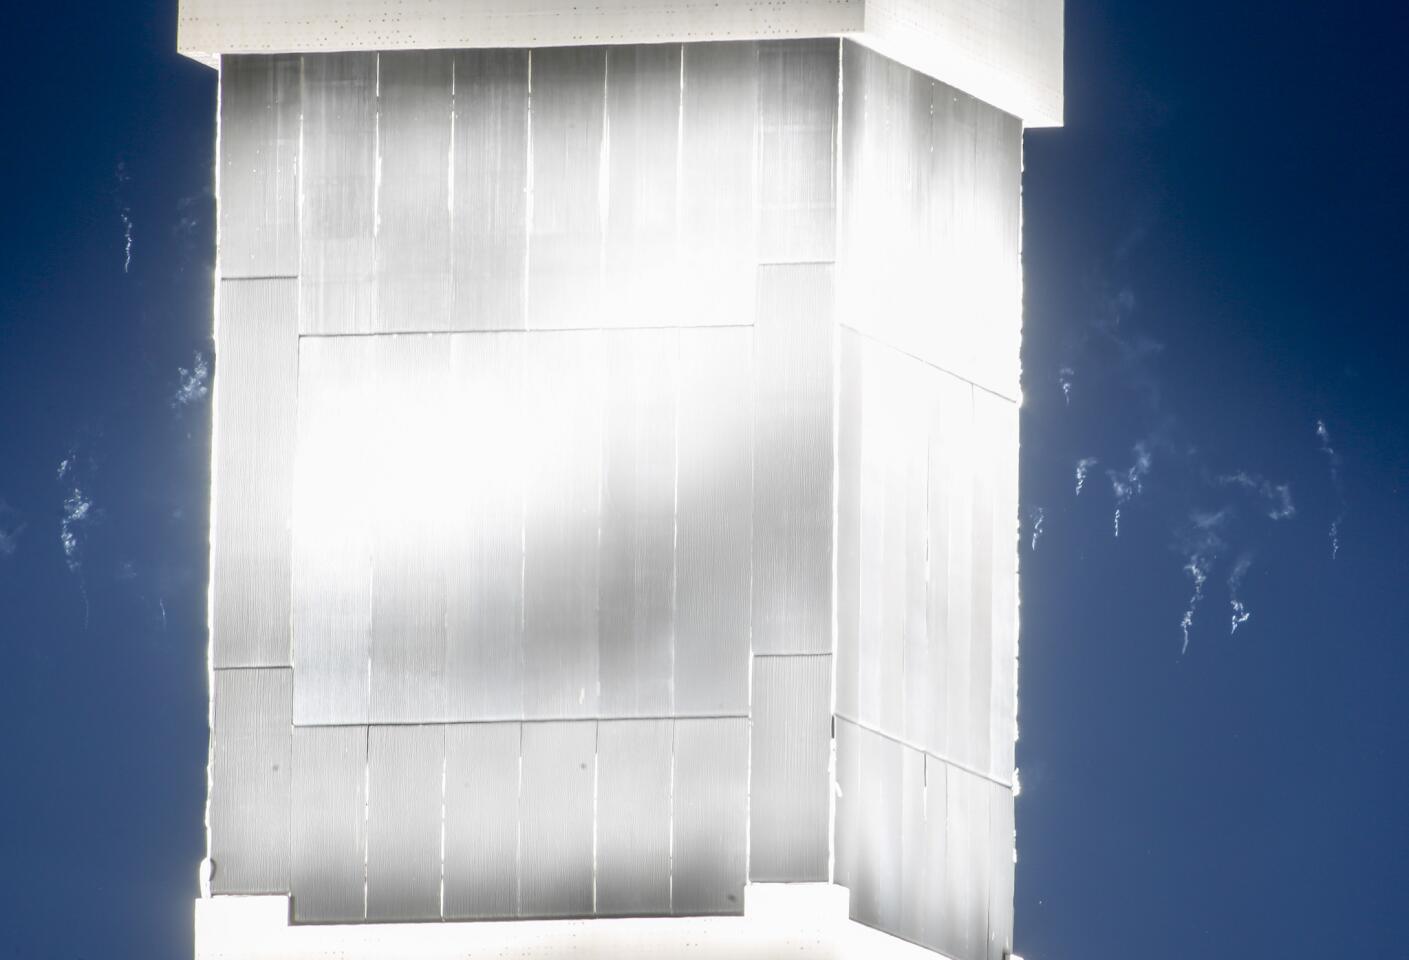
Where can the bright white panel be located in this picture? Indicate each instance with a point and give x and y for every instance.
(555, 819)
(259, 146)
(633, 817)
(405, 777)
(328, 846)
(481, 820)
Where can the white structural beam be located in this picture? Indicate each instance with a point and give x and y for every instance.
(794, 921)
(1005, 52)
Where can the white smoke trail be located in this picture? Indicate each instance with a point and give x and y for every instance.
(1202, 544)
(1083, 467)
(1333, 461)
(1064, 377)
(1197, 568)
(1276, 497)
(78, 512)
(1235, 585)
(1038, 515)
(1130, 483)
(127, 240)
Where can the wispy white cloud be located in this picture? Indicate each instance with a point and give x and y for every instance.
(1276, 498)
(1066, 377)
(1128, 484)
(1201, 543)
(1235, 586)
(194, 383)
(1037, 516)
(1333, 461)
(1083, 468)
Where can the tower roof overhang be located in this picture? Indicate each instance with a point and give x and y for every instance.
(1007, 53)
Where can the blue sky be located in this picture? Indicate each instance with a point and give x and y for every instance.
(1214, 252)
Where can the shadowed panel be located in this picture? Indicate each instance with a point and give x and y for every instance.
(797, 127)
(256, 390)
(713, 522)
(481, 820)
(249, 781)
(788, 802)
(633, 817)
(489, 190)
(792, 460)
(637, 540)
(259, 140)
(405, 775)
(1002, 860)
(968, 867)
(709, 824)
(413, 200)
(555, 819)
(338, 206)
(327, 869)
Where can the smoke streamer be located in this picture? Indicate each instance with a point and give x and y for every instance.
(1333, 461)
(1235, 585)
(1083, 468)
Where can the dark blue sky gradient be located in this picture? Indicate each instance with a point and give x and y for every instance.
(1214, 247)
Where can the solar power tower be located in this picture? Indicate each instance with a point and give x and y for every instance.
(614, 485)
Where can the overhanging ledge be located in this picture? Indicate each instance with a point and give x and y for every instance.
(1005, 52)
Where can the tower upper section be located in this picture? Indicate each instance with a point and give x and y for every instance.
(1007, 53)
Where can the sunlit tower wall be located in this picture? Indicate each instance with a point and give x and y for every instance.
(614, 476)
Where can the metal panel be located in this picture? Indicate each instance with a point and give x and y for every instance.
(851, 402)
(876, 875)
(256, 389)
(951, 598)
(633, 817)
(642, 150)
(259, 136)
(563, 405)
(1001, 418)
(1002, 862)
(413, 195)
(405, 776)
(709, 823)
(788, 785)
(484, 528)
(327, 869)
(846, 826)
(912, 827)
(555, 819)
(565, 234)
(481, 821)
(406, 492)
(489, 189)
(338, 193)
(332, 579)
(635, 610)
(714, 520)
(249, 786)
(964, 890)
(792, 460)
(718, 170)
(974, 751)
(934, 918)
(797, 105)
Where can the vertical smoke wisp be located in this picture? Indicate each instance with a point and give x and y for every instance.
(1235, 585)
(1201, 546)
(1065, 378)
(1037, 515)
(1129, 484)
(194, 383)
(1083, 468)
(76, 516)
(1333, 461)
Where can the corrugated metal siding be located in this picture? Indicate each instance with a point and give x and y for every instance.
(718, 177)
(633, 817)
(562, 494)
(249, 790)
(339, 182)
(789, 782)
(405, 769)
(259, 138)
(1002, 863)
(565, 238)
(412, 266)
(639, 259)
(792, 460)
(333, 529)
(483, 528)
(327, 863)
(555, 819)
(481, 820)
(713, 522)
(256, 386)
(797, 106)
(637, 563)
(711, 809)
(490, 178)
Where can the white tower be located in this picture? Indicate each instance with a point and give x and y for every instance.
(614, 487)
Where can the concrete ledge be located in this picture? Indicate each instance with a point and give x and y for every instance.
(796, 921)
